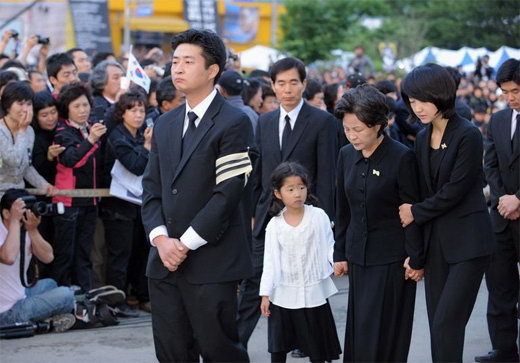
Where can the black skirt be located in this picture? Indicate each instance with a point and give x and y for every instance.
(311, 330)
(380, 313)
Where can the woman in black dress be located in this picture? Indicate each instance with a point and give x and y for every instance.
(375, 176)
(453, 211)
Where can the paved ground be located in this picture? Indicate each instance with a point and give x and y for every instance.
(131, 341)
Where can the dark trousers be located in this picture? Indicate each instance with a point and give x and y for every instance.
(503, 286)
(73, 235)
(118, 238)
(451, 292)
(192, 319)
(248, 298)
(137, 265)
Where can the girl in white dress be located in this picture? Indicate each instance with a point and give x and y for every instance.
(296, 280)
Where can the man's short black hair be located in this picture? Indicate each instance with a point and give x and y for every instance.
(313, 87)
(70, 93)
(455, 74)
(286, 64)
(430, 83)
(56, 61)
(386, 86)
(73, 50)
(9, 197)
(6, 77)
(509, 71)
(13, 64)
(13, 92)
(367, 103)
(213, 49)
(166, 91)
(258, 73)
(100, 57)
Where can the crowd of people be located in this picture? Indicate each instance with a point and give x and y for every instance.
(272, 183)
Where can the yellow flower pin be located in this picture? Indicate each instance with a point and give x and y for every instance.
(444, 146)
(375, 172)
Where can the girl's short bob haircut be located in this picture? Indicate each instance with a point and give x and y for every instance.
(278, 176)
(430, 83)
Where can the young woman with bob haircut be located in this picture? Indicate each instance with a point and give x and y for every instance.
(453, 211)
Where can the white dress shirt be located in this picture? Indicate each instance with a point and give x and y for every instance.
(190, 238)
(298, 261)
(293, 115)
(513, 124)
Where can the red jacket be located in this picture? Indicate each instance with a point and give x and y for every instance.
(76, 167)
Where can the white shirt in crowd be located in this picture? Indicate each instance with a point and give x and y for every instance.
(298, 261)
(11, 289)
(293, 115)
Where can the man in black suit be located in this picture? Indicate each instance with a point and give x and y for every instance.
(294, 132)
(502, 167)
(192, 187)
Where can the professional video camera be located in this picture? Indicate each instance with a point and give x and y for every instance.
(41, 208)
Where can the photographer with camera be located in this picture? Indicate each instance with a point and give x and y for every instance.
(8, 35)
(43, 300)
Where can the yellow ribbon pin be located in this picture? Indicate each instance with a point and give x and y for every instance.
(444, 146)
(375, 172)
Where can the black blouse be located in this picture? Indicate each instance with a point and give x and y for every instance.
(370, 191)
(435, 163)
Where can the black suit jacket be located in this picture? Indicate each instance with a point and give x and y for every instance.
(180, 192)
(456, 208)
(501, 164)
(370, 191)
(313, 143)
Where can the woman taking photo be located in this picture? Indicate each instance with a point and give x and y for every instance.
(76, 168)
(375, 175)
(44, 124)
(17, 140)
(453, 211)
(129, 145)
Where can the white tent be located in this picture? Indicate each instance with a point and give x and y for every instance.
(259, 57)
(465, 56)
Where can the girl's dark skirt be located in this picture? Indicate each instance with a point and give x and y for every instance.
(380, 313)
(312, 330)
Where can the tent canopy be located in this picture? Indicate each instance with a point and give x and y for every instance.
(259, 57)
(465, 57)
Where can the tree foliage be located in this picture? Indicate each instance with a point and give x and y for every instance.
(312, 28)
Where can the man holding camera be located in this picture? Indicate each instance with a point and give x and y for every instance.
(43, 300)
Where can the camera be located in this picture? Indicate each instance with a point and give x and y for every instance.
(43, 40)
(14, 34)
(41, 208)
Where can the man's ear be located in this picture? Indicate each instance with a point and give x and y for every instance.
(213, 70)
(53, 81)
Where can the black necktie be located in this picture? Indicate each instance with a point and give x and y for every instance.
(515, 141)
(286, 132)
(190, 132)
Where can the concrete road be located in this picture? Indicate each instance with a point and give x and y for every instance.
(131, 341)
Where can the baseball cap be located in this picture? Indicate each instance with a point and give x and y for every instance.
(231, 81)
